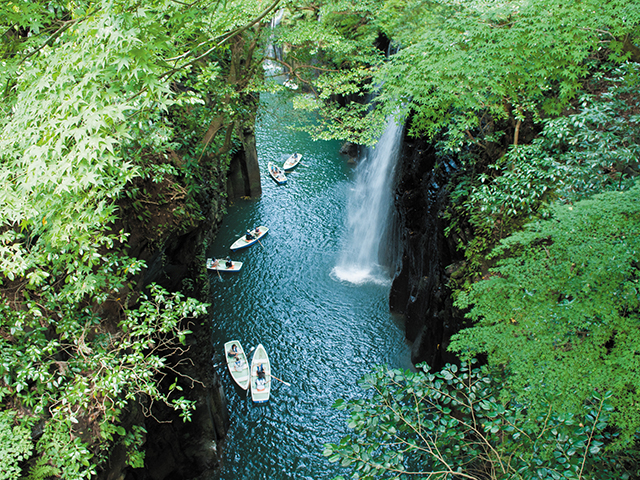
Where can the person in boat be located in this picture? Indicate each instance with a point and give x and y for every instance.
(215, 263)
(229, 264)
(261, 381)
(233, 353)
(249, 235)
(256, 232)
(238, 364)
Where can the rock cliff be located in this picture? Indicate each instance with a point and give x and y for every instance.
(174, 249)
(419, 290)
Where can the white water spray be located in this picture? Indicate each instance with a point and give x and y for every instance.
(368, 210)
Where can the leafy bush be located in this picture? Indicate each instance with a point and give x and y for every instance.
(593, 150)
(15, 445)
(598, 148)
(561, 310)
(77, 375)
(455, 424)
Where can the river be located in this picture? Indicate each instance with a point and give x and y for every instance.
(321, 333)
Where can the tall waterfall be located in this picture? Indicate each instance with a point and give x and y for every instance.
(273, 51)
(368, 210)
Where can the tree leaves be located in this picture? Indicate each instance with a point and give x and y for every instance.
(560, 308)
(451, 424)
(453, 65)
(118, 366)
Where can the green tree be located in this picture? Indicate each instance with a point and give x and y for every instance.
(331, 48)
(467, 65)
(81, 379)
(592, 149)
(454, 424)
(93, 94)
(561, 310)
(473, 70)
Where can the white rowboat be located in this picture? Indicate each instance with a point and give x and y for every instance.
(292, 161)
(260, 385)
(276, 173)
(221, 265)
(237, 363)
(243, 242)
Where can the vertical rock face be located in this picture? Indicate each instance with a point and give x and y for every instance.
(175, 449)
(244, 171)
(173, 249)
(419, 290)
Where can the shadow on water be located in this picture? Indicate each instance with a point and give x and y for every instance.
(321, 333)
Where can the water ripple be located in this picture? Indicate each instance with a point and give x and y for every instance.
(322, 332)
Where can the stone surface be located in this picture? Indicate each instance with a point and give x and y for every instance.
(419, 290)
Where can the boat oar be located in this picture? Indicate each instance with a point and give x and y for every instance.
(261, 244)
(286, 383)
(218, 272)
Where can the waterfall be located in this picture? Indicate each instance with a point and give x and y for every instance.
(273, 51)
(368, 210)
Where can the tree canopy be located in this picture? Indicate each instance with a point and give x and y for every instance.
(461, 67)
(96, 96)
(561, 309)
(456, 424)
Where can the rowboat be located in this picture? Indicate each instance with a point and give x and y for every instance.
(292, 161)
(243, 242)
(237, 363)
(260, 384)
(223, 265)
(276, 173)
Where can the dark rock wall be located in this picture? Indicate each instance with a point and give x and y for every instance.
(175, 449)
(244, 172)
(175, 255)
(419, 290)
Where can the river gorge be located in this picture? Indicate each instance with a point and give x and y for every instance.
(322, 329)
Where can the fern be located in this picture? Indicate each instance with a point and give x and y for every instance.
(15, 446)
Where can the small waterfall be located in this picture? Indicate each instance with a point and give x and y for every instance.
(368, 211)
(273, 51)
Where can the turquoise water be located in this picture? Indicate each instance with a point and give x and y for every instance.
(321, 333)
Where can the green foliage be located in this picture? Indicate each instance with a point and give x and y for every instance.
(457, 67)
(80, 91)
(526, 181)
(133, 441)
(331, 49)
(464, 60)
(592, 150)
(15, 445)
(451, 424)
(87, 374)
(561, 310)
(597, 148)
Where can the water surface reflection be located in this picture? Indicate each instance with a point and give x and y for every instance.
(322, 334)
